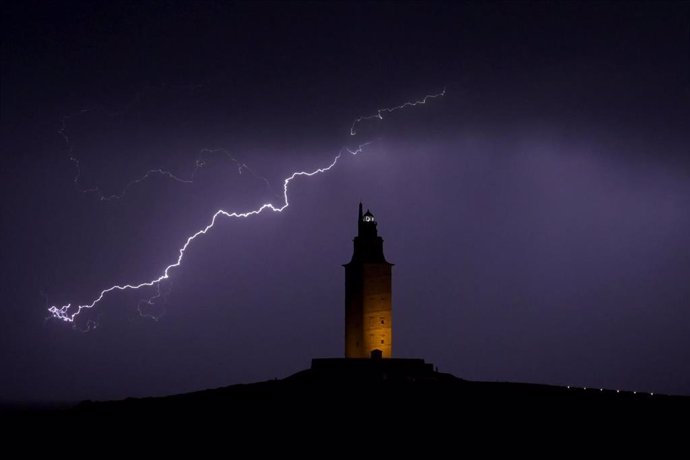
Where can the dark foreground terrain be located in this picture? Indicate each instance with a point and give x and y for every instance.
(377, 398)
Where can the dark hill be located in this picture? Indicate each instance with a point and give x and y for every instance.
(388, 395)
(335, 388)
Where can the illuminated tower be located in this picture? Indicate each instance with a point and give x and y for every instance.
(368, 325)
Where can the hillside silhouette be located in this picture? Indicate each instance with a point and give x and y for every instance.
(393, 391)
(389, 405)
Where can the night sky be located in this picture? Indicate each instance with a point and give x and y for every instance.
(538, 214)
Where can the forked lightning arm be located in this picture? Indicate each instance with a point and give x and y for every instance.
(379, 113)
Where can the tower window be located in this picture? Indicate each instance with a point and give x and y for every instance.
(381, 341)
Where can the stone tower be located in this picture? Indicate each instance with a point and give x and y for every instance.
(368, 315)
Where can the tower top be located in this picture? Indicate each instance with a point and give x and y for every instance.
(366, 224)
(368, 245)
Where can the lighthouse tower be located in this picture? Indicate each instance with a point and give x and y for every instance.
(368, 315)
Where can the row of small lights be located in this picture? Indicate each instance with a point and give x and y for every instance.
(617, 391)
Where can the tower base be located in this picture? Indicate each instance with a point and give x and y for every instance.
(368, 369)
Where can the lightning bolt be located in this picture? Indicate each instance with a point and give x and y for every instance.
(63, 311)
(379, 113)
(68, 314)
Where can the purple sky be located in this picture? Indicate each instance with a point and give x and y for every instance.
(538, 214)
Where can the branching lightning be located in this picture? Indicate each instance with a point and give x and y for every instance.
(198, 164)
(201, 161)
(379, 113)
(68, 313)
